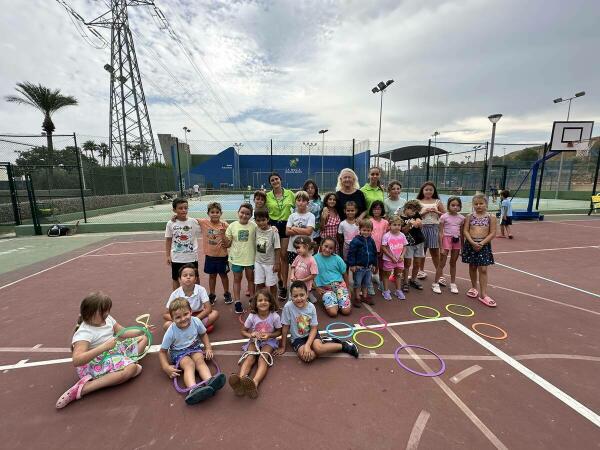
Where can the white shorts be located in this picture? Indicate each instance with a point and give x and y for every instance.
(263, 274)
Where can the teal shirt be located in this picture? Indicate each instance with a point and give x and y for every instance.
(331, 269)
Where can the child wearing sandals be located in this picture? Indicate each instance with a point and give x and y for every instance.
(195, 295)
(332, 281)
(451, 236)
(393, 247)
(415, 248)
(186, 342)
(263, 325)
(100, 359)
(299, 317)
(479, 229)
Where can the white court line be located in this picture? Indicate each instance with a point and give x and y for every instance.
(547, 386)
(465, 373)
(575, 224)
(545, 250)
(549, 280)
(54, 266)
(417, 430)
(128, 253)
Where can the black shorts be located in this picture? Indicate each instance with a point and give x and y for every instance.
(215, 264)
(280, 225)
(507, 221)
(175, 266)
(299, 342)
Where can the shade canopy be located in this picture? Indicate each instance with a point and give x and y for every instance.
(411, 152)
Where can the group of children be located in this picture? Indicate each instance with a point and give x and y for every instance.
(391, 243)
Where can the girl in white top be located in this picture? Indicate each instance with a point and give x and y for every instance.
(100, 359)
(393, 202)
(431, 210)
(196, 296)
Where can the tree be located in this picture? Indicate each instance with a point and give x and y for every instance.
(89, 146)
(104, 152)
(39, 156)
(46, 100)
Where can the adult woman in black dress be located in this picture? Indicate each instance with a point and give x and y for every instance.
(347, 190)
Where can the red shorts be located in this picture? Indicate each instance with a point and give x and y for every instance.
(447, 243)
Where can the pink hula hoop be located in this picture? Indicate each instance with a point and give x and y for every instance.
(381, 320)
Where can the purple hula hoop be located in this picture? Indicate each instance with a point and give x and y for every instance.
(184, 390)
(421, 374)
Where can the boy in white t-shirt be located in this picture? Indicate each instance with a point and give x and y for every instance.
(181, 240)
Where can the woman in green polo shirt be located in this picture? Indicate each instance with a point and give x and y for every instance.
(280, 202)
(373, 190)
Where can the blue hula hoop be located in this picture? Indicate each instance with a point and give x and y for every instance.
(339, 336)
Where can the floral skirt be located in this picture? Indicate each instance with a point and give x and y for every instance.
(112, 360)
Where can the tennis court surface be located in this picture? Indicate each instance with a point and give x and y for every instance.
(537, 388)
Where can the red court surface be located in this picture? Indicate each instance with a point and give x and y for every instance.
(538, 388)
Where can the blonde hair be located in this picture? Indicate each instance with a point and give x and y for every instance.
(479, 197)
(302, 195)
(177, 304)
(365, 223)
(396, 219)
(339, 180)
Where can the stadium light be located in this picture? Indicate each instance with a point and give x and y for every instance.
(381, 86)
(322, 154)
(494, 118)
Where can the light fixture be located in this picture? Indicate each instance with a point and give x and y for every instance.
(494, 118)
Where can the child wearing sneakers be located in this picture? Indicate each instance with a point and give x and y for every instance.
(299, 317)
(299, 223)
(362, 259)
(186, 345)
(451, 224)
(393, 247)
(215, 261)
(268, 246)
(415, 248)
(506, 213)
(181, 240)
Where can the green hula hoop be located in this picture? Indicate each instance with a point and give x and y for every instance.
(133, 358)
(414, 310)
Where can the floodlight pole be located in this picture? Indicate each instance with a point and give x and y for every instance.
(322, 132)
(494, 118)
(381, 86)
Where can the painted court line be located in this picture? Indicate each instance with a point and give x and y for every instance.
(549, 280)
(54, 266)
(465, 373)
(547, 386)
(417, 430)
(489, 434)
(128, 253)
(546, 250)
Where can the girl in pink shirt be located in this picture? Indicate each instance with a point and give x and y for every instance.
(304, 267)
(380, 227)
(451, 237)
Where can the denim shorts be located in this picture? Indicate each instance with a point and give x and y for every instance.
(362, 277)
(177, 355)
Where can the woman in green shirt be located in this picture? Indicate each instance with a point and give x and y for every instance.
(280, 202)
(373, 190)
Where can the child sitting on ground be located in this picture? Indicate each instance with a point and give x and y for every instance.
(332, 280)
(181, 344)
(262, 327)
(196, 297)
(100, 359)
(181, 240)
(362, 259)
(299, 317)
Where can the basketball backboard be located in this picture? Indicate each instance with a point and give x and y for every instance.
(571, 136)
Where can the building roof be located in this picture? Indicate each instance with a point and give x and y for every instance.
(411, 152)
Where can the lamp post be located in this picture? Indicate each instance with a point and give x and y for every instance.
(562, 154)
(494, 118)
(475, 148)
(237, 146)
(186, 130)
(381, 86)
(309, 145)
(322, 132)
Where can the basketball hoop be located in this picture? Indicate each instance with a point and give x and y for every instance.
(583, 148)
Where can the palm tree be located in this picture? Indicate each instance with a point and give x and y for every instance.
(47, 101)
(89, 146)
(104, 152)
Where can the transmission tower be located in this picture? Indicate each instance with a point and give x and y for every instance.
(130, 131)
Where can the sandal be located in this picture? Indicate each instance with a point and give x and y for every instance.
(235, 382)
(73, 393)
(249, 387)
(473, 293)
(488, 301)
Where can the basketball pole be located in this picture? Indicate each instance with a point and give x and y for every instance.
(595, 184)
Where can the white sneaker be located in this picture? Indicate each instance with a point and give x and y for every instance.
(453, 288)
(435, 287)
(421, 275)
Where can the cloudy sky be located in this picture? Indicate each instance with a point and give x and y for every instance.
(285, 69)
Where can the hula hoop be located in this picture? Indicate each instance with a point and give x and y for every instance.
(143, 320)
(503, 336)
(133, 358)
(461, 306)
(414, 310)
(370, 347)
(381, 320)
(421, 374)
(185, 390)
(339, 336)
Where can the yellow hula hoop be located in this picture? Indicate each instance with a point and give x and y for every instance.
(414, 310)
(460, 306)
(370, 347)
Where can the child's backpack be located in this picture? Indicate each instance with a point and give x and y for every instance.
(57, 230)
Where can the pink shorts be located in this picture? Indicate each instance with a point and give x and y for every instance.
(390, 266)
(447, 244)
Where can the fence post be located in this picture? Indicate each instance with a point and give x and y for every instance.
(33, 205)
(179, 168)
(271, 159)
(80, 171)
(428, 153)
(353, 154)
(13, 194)
(539, 193)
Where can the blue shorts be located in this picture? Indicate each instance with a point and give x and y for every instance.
(362, 277)
(176, 355)
(215, 264)
(239, 269)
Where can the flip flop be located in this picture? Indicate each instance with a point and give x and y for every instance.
(236, 384)
(473, 293)
(217, 382)
(73, 393)
(249, 387)
(199, 395)
(488, 301)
